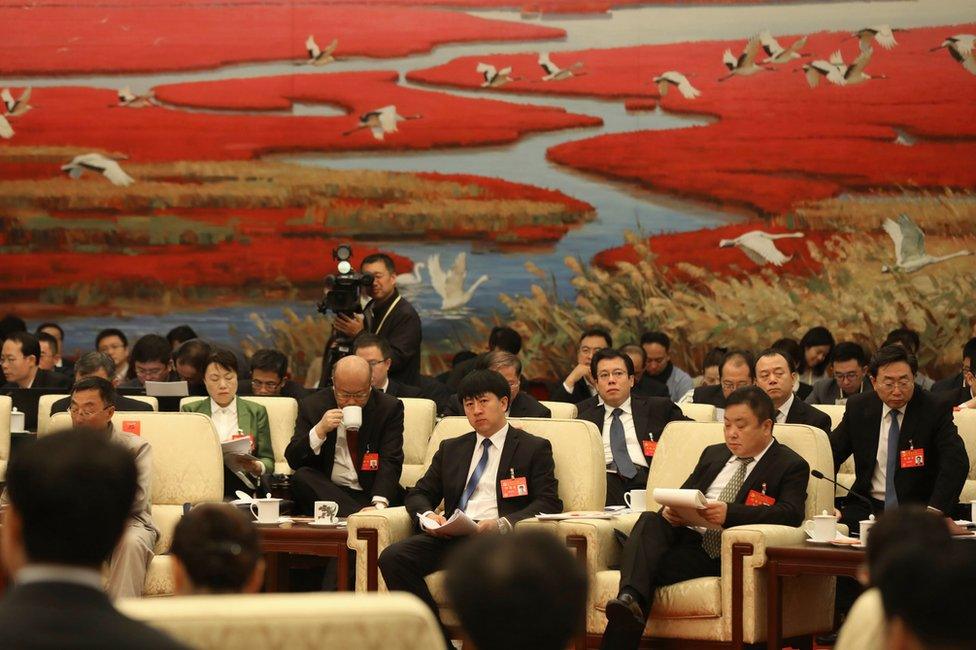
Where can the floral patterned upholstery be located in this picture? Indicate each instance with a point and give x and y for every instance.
(419, 416)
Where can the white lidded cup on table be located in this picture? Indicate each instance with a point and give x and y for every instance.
(865, 529)
(822, 528)
(266, 510)
(352, 417)
(636, 500)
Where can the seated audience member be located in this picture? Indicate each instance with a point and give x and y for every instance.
(99, 364)
(270, 378)
(496, 585)
(49, 351)
(907, 526)
(57, 532)
(190, 362)
(470, 473)
(10, 324)
(114, 343)
(928, 597)
(710, 373)
(19, 361)
(180, 335)
(216, 550)
(791, 348)
(737, 370)
(521, 404)
(664, 549)
(817, 345)
(579, 385)
(458, 358)
(643, 384)
(657, 348)
(377, 353)
(500, 338)
(358, 468)
(61, 364)
(631, 424)
(958, 381)
(850, 370)
(776, 375)
(905, 444)
(233, 416)
(910, 340)
(150, 360)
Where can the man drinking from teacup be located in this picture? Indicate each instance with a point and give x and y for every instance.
(631, 424)
(348, 444)
(751, 479)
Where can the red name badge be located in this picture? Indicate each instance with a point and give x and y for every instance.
(912, 458)
(371, 462)
(759, 499)
(131, 426)
(650, 446)
(514, 487)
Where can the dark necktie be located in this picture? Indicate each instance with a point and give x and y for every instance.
(618, 447)
(712, 538)
(352, 441)
(475, 475)
(891, 495)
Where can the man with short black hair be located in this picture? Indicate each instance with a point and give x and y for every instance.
(657, 349)
(643, 384)
(496, 474)
(19, 359)
(113, 342)
(190, 362)
(521, 404)
(664, 549)
(631, 424)
(98, 364)
(378, 354)
(580, 385)
(905, 444)
(270, 378)
(961, 389)
(500, 338)
(150, 361)
(850, 376)
(49, 351)
(737, 370)
(57, 532)
(61, 364)
(776, 375)
(180, 335)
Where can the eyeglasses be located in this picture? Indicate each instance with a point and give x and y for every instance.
(374, 362)
(846, 376)
(729, 386)
(904, 383)
(269, 385)
(75, 410)
(343, 395)
(149, 372)
(616, 374)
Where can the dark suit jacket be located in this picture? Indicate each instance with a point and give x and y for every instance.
(948, 384)
(649, 387)
(826, 391)
(927, 424)
(709, 395)
(57, 615)
(802, 413)
(396, 389)
(527, 455)
(435, 391)
(402, 330)
(651, 415)
(122, 403)
(955, 397)
(523, 406)
(381, 432)
(580, 392)
(47, 379)
(782, 470)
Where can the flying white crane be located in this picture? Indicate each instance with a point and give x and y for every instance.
(15, 107)
(381, 121)
(96, 162)
(679, 81)
(883, 34)
(776, 53)
(129, 99)
(554, 72)
(745, 64)
(450, 286)
(759, 247)
(318, 56)
(961, 48)
(6, 131)
(909, 243)
(829, 70)
(410, 279)
(493, 77)
(854, 73)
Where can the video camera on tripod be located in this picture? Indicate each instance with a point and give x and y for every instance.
(342, 297)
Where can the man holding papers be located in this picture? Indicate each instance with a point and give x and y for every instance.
(496, 476)
(751, 479)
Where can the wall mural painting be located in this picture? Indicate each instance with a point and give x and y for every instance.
(729, 172)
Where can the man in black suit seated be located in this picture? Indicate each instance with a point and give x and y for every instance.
(151, 360)
(961, 389)
(21, 354)
(631, 424)
(736, 371)
(61, 364)
(776, 375)
(905, 444)
(521, 405)
(498, 475)
(579, 385)
(99, 364)
(663, 549)
(378, 354)
(269, 376)
(357, 467)
(57, 532)
(850, 370)
(644, 384)
(500, 338)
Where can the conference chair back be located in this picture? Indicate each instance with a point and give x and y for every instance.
(561, 410)
(46, 402)
(698, 412)
(419, 417)
(966, 423)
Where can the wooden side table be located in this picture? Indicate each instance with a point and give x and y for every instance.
(302, 539)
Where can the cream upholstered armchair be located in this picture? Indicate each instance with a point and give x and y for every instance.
(419, 417)
(845, 474)
(698, 412)
(561, 410)
(577, 450)
(6, 406)
(729, 609)
(46, 402)
(966, 423)
(188, 467)
(292, 621)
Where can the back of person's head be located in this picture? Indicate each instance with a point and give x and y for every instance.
(499, 359)
(928, 596)
(904, 336)
(50, 325)
(483, 382)
(714, 357)
(850, 351)
(912, 524)
(10, 324)
(179, 334)
(370, 340)
(461, 357)
(892, 354)
(269, 360)
(194, 353)
(662, 339)
(519, 591)
(969, 350)
(217, 550)
(738, 358)
(635, 349)
(90, 363)
(756, 399)
(72, 493)
(611, 353)
(505, 338)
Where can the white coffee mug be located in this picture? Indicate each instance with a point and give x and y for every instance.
(972, 514)
(326, 512)
(636, 500)
(352, 417)
(865, 528)
(17, 420)
(267, 510)
(822, 528)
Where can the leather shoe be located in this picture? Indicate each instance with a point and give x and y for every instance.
(624, 609)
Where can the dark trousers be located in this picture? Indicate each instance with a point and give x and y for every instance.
(310, 485)
(233, 483)
(848, 589)
(617, 486)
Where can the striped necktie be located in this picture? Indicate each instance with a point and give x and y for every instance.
(712, 539)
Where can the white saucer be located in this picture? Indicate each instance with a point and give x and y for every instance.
(327, 524)
(281, 520)
(813, 541)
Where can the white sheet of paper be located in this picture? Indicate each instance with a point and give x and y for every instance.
(685, 503)
(238, 446)
(458, 525)
(167, 388)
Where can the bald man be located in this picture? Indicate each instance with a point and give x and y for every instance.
(348, 444)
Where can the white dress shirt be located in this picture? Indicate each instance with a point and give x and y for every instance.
(225, 419)
(634, 449)
(729, 470)
(880, 475)
(784, 410)
(343, 470)
(569, 389)
(483, 503)
(75, 575)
